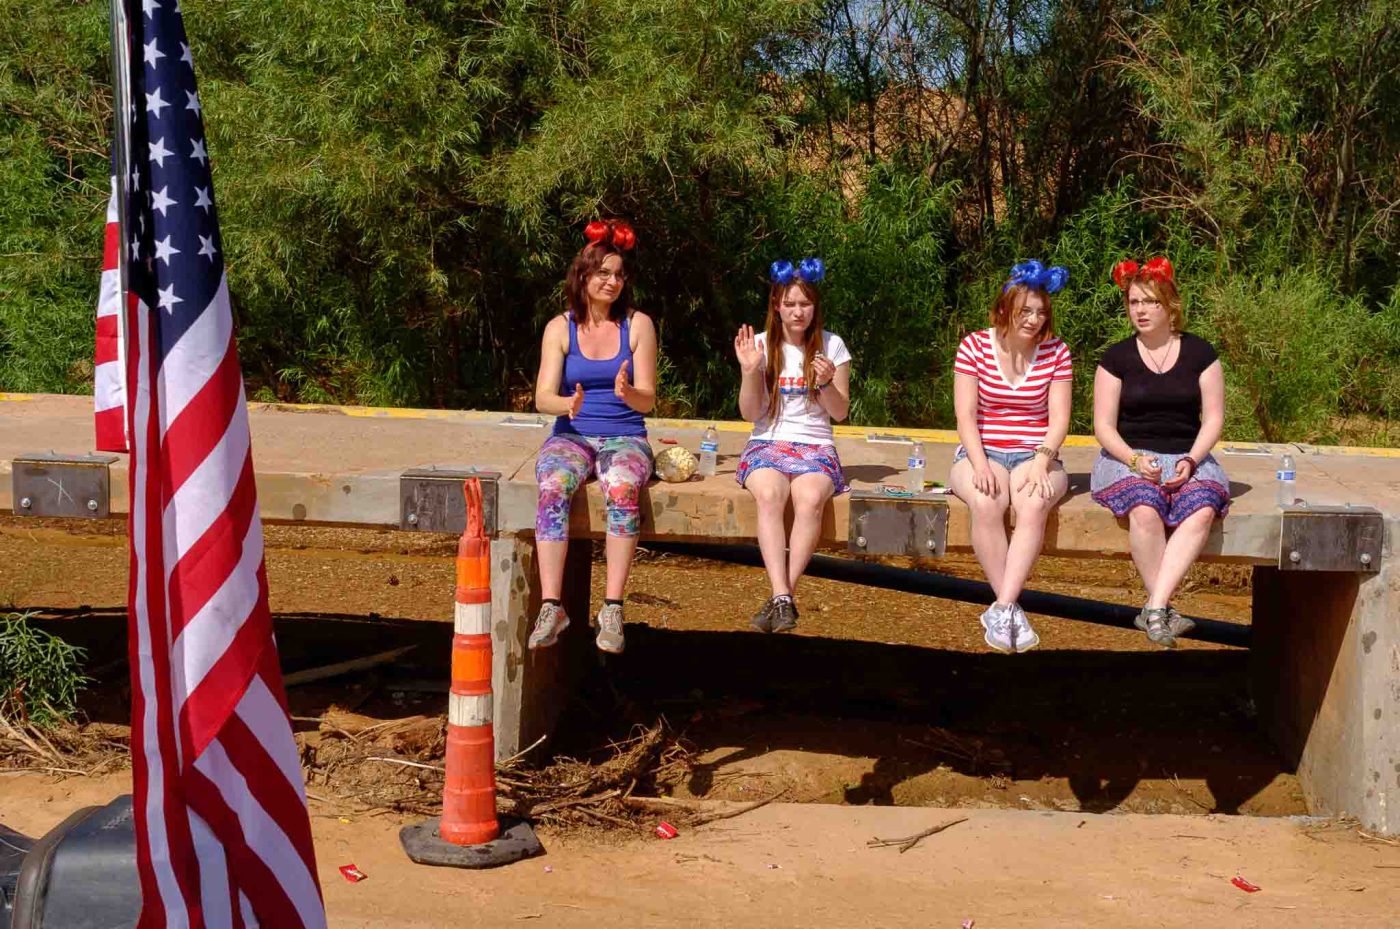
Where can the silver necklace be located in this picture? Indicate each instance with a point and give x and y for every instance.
(1165, 357)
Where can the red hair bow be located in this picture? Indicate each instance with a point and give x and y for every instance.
(615, 232)
(1158, 268)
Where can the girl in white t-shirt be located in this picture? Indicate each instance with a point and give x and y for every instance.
(796, 380)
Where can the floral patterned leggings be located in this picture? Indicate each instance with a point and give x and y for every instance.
(623, 465)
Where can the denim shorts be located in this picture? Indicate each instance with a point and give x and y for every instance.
(1007, 458)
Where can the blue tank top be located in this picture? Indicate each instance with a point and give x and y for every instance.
(603, 413)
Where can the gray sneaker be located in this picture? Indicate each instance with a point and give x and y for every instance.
(1153, 621)
(1179, 625)
(784, 615)
(551, 621)
(997, 620)
(1023, 637)
(610, 629)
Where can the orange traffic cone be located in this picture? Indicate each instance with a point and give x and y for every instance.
(468, 834)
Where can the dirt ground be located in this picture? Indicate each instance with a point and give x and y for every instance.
(808, 864)
(884, 714)
(879, 698)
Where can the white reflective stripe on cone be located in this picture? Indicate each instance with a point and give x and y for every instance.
(465, 710)
(471, 618)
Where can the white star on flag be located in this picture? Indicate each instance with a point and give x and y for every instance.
(135, 248)
(203, 202)
(199, 154)
(206, 247)
(193, 103)
(159, 201)
(153, 54)
(149, 7)
(159, 152)
(168, 298)
(154, 102)
(185, 55)
(163, 252)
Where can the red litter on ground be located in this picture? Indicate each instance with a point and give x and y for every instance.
(665, 830)
(352, 874)
(1245, 885)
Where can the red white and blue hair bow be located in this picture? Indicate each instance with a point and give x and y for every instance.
(1035, 275)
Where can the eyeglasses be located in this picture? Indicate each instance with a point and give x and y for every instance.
(606, 276)
(1143, 304)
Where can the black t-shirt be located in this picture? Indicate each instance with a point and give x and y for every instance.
(1159, 412)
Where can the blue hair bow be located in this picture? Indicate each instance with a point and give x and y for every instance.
(1035, 275)
(810, 270)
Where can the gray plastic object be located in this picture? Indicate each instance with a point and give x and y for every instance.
(82, 874)
(13, 848)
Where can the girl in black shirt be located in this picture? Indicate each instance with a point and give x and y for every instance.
(1159, 405)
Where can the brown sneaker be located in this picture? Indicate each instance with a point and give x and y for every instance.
(784, 615)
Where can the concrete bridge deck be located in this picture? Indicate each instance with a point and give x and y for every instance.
(1325, 652)
(342, 465)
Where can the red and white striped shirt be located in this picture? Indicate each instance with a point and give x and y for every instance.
(1012, 416)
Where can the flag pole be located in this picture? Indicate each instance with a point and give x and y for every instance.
(121, 157)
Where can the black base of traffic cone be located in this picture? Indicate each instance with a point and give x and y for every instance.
(424, 846)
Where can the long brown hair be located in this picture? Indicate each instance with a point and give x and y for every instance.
(811, 341)
(587, 262)
(1010, 303)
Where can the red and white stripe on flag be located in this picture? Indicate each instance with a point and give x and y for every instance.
(108, 385)
(223, 836)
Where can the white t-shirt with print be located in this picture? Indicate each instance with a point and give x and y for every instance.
(800, 417)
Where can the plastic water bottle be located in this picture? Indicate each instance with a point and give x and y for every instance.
(1287, 481)
(916, 468)
(709, 451)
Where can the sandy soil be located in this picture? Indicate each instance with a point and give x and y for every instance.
(808, 864)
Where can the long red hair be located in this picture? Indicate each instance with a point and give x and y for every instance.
(811, 341)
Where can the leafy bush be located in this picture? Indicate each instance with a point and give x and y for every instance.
(40, 674)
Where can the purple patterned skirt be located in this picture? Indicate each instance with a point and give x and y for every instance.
(792, 459)
(1113, 485)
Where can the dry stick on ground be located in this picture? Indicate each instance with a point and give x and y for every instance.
(730, 814)
(344, 667)
(910, 841)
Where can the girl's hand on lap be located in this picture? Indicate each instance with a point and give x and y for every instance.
(1183, 474)
(1148, 468)
(985, 480)
(576, 401)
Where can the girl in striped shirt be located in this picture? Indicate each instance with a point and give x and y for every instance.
(1011, 392)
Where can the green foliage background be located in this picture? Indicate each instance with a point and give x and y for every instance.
(402, 184)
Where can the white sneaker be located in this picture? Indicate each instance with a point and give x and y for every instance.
(997, 620)
(1023, 637)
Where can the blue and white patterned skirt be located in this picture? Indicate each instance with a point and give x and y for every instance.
(1113, 485)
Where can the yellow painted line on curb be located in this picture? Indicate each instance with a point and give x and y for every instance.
(14, 398)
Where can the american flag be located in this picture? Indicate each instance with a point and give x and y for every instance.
(109, 380)
(223, 833)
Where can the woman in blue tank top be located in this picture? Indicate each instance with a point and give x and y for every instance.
(598, 376)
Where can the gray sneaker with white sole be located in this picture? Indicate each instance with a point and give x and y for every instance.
(551, 621)
(609, 624)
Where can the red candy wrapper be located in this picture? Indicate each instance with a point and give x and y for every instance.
(665, 830)
(1245, 885)
(352, 874)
